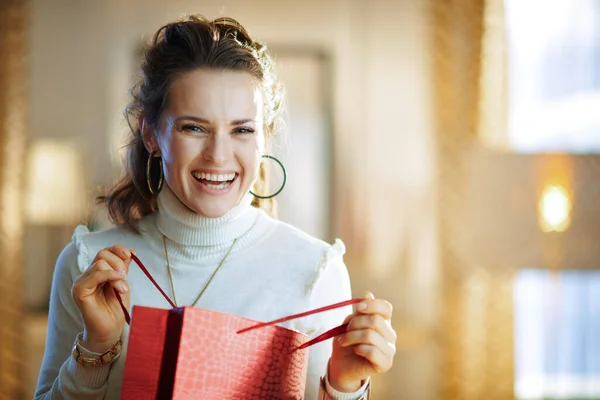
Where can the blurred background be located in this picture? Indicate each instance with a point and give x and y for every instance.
(452, 144)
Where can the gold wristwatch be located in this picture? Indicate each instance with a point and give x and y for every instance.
(97, 361)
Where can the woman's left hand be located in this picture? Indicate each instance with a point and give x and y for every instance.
(366, 349)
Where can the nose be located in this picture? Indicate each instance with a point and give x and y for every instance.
(217, 149)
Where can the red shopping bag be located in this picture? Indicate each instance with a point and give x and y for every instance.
(192, 353)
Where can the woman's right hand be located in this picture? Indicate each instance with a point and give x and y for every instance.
(103, 318)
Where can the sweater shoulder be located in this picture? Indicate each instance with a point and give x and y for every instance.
(88, 243)
(304, 255)
(295, 240)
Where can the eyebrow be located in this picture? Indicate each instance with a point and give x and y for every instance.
(205, 121)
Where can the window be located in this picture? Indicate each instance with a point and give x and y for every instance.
(557, 335)
(553, 51)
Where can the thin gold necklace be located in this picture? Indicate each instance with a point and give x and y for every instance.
(209, 280)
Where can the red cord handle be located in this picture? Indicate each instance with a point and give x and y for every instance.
(304, 314)
(327, 335)
(338, 330)
(145, 271)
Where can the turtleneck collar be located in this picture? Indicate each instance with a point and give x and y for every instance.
(183, 226)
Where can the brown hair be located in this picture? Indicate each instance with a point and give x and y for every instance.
(179, 47)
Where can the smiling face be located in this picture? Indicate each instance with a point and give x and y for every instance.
(210, 139)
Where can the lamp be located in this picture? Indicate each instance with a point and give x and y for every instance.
(55, 202)
(55, 183)
(554, 209)
(532, 210)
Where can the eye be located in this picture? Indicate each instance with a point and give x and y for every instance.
(193, 128)
(244, 130)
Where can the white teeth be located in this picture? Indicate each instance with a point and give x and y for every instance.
(215, 177)
(220, 186)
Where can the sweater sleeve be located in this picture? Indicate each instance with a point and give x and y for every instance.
(61, 377)
(331, 284)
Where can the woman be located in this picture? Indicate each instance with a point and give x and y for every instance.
(203, 116)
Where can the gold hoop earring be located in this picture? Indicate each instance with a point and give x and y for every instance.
(159, 185)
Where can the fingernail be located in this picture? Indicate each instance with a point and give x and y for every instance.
(122, 287)
(124, 273)
(362, 306)
(126, 253)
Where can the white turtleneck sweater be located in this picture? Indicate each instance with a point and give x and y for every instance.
(273, 270)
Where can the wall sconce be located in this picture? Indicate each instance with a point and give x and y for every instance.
(55, 203)
(55, 183)
(532, 210)
(554, 209)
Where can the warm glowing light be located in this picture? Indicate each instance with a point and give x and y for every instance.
(55, 183)
(555, 209)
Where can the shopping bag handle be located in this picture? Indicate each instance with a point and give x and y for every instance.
(327, 335)
(338, 330)
(145, 271)
(303, 314)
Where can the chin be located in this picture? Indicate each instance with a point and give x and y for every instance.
(214, 210)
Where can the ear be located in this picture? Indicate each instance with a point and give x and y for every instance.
(148, 136)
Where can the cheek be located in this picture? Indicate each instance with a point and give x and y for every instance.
(176, 150)
(176, 158)
(251, 162)
(252, 155)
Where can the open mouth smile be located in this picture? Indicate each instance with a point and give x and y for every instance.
(215, 181)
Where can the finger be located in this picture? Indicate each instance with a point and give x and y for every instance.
(367, 336)
(121, 285)
(98, 277)
(81, 289)
(373, 321)
(349, 318)
(375, 306)
(128, 261)
(118, 250)
(112, 260)
(379, 359)
(121, 251)
(96, 265)
(367, 295)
